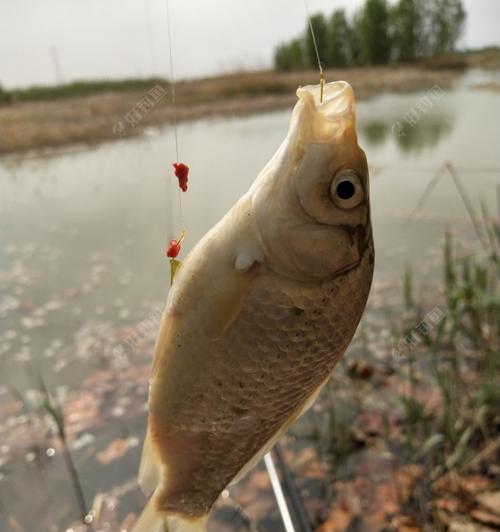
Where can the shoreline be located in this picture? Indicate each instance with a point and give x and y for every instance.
(38, 127)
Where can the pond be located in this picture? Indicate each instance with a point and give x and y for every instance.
(83, 234)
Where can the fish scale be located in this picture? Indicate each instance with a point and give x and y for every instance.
(270, 369)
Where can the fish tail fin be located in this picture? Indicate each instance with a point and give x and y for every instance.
(153, 520)
(150, 467)
(177, 524)
(150, 520)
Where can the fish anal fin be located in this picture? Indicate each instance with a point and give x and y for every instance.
(150, 467)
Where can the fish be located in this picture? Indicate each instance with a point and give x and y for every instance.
(261, 310)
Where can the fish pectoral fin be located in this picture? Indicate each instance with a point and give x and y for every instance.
(149, 468)
(226, 306)
(225, 311)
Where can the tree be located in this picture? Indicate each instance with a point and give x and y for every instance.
(447, 20)
(356, 38)
(408, 29)
(377, 34)
(290, 56)
(376, 41)
(318, 23)
(338, 48)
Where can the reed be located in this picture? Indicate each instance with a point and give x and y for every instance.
(51, 407)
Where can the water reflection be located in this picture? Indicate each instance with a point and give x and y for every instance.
(425, 134)
(376, 132)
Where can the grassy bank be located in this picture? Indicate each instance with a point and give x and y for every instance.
(89, 112)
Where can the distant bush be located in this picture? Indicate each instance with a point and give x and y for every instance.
(4, 96)
(378, 33)
(79, 88)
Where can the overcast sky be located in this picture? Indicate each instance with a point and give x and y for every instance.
(128, 38)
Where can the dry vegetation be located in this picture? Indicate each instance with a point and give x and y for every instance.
(45, 123)
(39, 118)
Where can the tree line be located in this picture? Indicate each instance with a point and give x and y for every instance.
(378, 33)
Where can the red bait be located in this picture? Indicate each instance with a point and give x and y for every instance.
(174, 248)
(181, 172)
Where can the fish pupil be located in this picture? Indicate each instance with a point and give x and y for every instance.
(345, 190)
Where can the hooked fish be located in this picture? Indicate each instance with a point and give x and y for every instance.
(258, 315)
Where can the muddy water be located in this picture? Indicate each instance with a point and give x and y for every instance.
(83, 276)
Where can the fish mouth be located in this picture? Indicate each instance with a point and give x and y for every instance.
(338, 99)
(325, 115)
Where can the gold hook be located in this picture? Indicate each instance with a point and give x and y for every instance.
(181, 238)
(174, 263)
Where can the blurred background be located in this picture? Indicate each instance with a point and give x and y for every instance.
(406, 436)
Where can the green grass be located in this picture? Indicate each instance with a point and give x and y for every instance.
(463, 350)
(48, 409)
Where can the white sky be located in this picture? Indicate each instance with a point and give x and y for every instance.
(128, 38)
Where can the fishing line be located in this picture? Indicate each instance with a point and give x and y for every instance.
(181, 170)
(278, 493)
(172, 93)
(313, 35)
(293, 492)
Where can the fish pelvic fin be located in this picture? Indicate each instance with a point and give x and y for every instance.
(150, 467)
(153, 520)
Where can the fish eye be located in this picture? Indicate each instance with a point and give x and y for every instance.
(346, 190)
